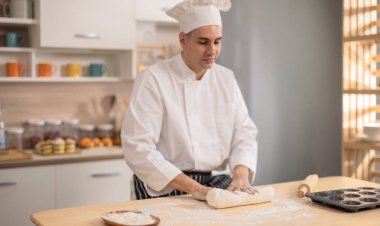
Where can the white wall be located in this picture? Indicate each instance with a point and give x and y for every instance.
(287, 58)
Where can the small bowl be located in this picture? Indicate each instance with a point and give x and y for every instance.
(115, 223)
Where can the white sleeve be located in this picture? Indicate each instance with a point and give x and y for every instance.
(141, 132)
(244, 144)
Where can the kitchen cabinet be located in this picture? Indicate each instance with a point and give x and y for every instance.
(95, 24)
(92, 183)
(360, 87)
(154, 11)
(81, 32)
(24, 191)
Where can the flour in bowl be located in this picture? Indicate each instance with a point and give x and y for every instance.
(130, 218)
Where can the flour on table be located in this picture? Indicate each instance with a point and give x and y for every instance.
(274, 213)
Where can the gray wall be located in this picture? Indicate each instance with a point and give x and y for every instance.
(286, 55)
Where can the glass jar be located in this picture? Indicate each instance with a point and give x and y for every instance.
(2, 132)
(13, 138)
(35, 132)
(52, 129)
(86, 131)
(104, 130)
(70, 129)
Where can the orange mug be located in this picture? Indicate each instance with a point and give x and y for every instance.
(46, 70)
(14, 69)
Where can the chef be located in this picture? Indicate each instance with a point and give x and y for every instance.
(187, 117)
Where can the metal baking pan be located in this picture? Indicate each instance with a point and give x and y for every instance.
(350, 199)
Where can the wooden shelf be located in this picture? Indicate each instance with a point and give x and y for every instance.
(375, 174)
(364, 38)
(365, 9)
(356, 144)
(362, 91)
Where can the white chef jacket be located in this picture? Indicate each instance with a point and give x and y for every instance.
(176, 123)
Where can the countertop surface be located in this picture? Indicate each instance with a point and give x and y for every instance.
(286, 209)
(92, 154)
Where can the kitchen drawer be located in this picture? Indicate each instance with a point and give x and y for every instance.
(92, 183)
(24, 191)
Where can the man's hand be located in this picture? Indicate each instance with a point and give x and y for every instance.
(200, 193)
(185, 183)
(240, 181)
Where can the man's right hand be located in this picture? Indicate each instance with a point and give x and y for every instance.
(185, 183)
(200, 193)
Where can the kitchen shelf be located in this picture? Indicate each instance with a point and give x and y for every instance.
(364, 38)
(364, 9)
(16, 49)
(62, 79)
(47, 43)
(375, 174)
(17, 21)
(362, 91)
(362, 145)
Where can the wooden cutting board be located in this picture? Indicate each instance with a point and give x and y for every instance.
(13, 154)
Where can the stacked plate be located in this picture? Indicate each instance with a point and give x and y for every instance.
(371, 132)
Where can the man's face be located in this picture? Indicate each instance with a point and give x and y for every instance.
(201, 47)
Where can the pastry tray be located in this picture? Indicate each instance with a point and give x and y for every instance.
(38, 152)
(351, 199)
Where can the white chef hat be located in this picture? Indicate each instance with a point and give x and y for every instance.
(192, 14)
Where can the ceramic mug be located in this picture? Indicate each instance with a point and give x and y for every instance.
(14, 69)
(97, 70)
(5, 12)
(46, 69)
(13, 39)
(18, 9)
(73, 70)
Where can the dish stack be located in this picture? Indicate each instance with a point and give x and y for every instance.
(371, 132)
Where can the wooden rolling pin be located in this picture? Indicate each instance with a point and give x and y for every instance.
(307, 185)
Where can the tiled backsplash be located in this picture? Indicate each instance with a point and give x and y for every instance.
(89, 102)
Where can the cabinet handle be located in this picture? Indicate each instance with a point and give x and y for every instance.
(8, 183)
(111, 174)
(88, 35)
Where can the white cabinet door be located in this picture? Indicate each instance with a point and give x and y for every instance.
(95, 24)
(154, 11)
(92, 183)
(24, 191)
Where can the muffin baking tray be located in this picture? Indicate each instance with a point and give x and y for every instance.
(351, 199)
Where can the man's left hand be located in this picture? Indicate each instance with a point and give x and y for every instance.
(240, 181)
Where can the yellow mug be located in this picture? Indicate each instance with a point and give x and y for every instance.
(73, 70)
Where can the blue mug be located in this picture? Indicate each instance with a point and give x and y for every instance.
(13, 39)
(97, 70)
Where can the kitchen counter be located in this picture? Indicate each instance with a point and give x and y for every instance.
(92, 154)
(286, 209)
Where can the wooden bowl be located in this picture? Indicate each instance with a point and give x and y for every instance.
(114, 223)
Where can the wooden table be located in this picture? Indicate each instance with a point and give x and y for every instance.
(286, 209)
